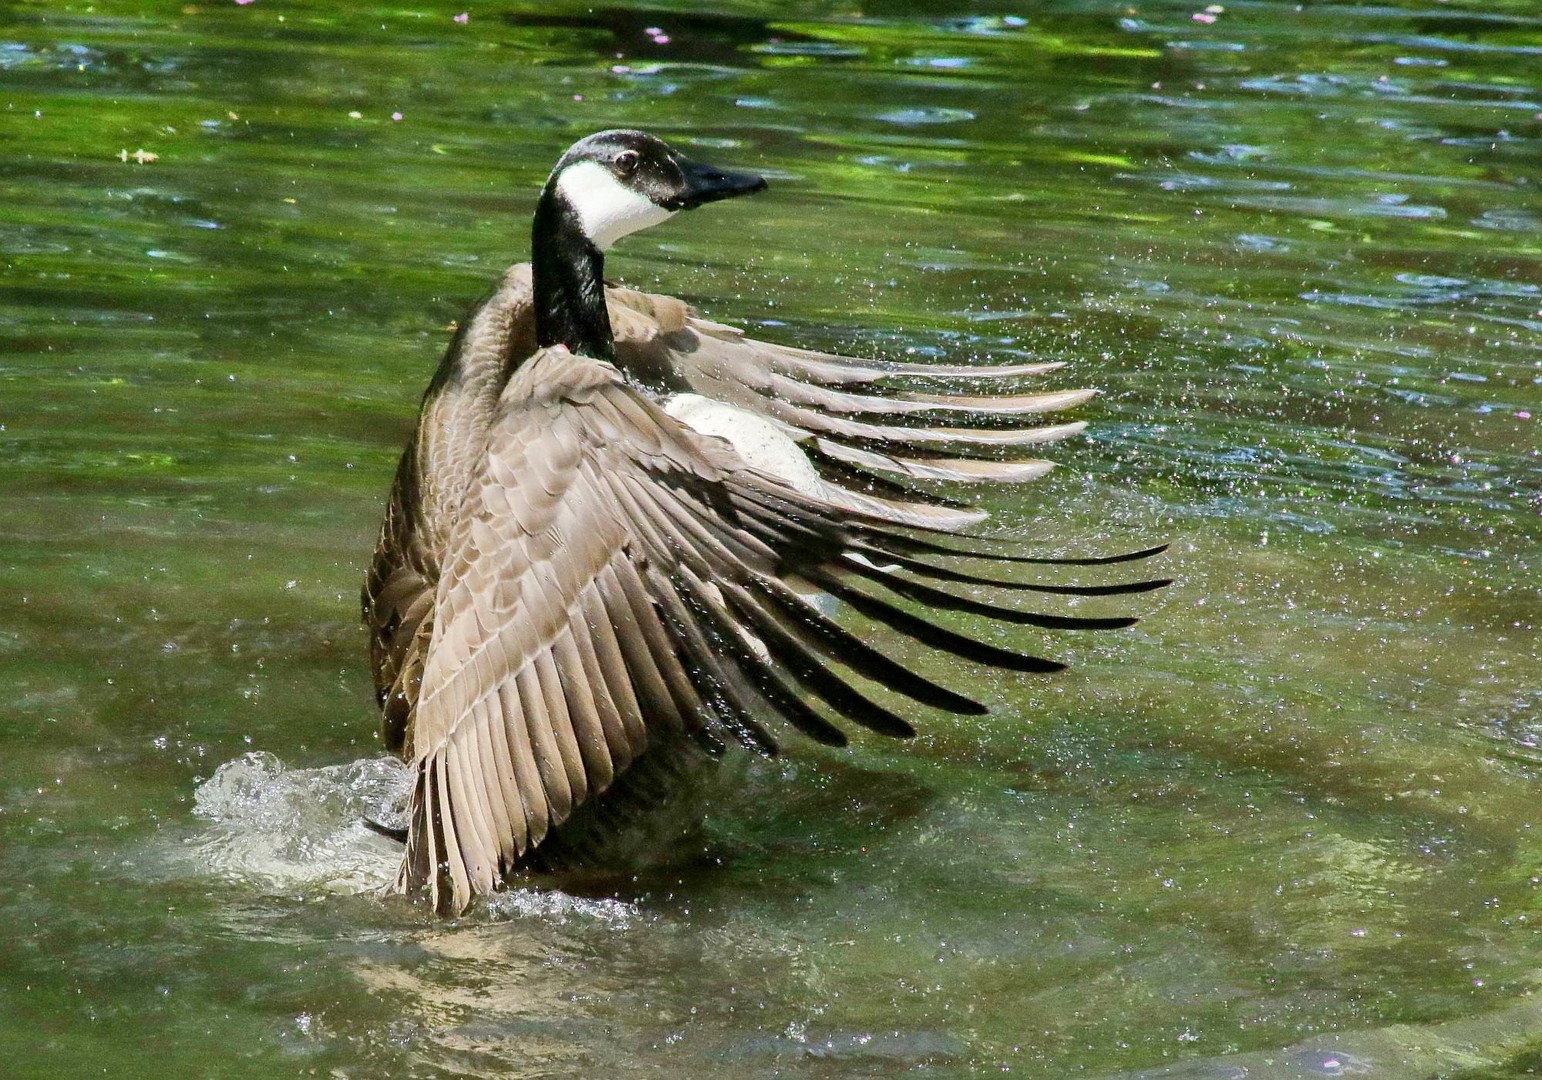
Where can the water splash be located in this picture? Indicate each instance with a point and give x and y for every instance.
(283, 829)
(557, 907)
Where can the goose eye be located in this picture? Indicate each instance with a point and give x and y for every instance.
(627, 160)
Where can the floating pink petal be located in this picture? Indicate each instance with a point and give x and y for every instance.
(243, 3)
(1203, 16)
(396, 116)
(463, 17)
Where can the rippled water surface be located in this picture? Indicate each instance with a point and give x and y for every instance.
(1288, 826)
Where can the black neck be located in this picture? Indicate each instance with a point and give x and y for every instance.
(569, 282)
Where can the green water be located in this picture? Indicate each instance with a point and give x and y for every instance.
(1289, 824)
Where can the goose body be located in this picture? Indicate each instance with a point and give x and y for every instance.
(599, 542)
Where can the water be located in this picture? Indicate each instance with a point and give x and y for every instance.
(1287, 825)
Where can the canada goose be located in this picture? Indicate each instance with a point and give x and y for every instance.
(590, 553)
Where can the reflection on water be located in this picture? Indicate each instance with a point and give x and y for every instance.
(1287, 825)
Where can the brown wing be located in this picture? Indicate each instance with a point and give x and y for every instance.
(437, 465)
(853, 420)
(398, 602)
(614, 581)
(861, 433)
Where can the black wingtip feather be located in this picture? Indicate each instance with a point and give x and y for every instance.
(935, 636)
(925, 594)
(761, 678)
(815, 677)
(840, 644)
(1091, 560)
(946, 573)
(890, 541)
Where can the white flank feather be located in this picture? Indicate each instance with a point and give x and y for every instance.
(762, 444)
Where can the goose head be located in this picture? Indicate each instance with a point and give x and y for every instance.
(607, 186)
(617, 182)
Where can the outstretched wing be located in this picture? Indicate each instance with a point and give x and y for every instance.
(615, 581)
(864, 433)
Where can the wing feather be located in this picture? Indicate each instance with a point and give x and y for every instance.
(473, 827)
(855, 408)
(583, 713)
(905, 402)
(454, 865)
(490, 758)
(656, 698)
(612, 672)
(963, 470)
(561, 721)
(527, 774)
(661, 650)
(607, 713)
(543, 741)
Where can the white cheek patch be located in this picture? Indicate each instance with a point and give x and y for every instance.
(607, 210)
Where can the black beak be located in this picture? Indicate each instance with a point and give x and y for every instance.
(704, 184)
